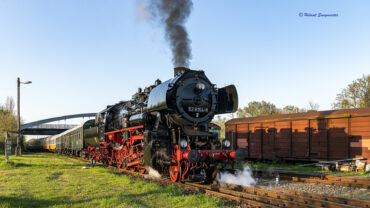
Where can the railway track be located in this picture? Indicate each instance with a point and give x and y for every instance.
(256, 196)
(279, 197)
(323, 179)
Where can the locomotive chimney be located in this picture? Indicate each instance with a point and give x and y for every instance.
(179, 70)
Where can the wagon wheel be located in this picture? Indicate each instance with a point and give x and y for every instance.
(105, 162)
(93, 161)
(119, 160)
(142, 169)
(211, 174)
(124, 164)
(92, 158)
(175, 173)
(124, 158)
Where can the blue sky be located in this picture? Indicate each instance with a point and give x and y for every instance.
(83, 54)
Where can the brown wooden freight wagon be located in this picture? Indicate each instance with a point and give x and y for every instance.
(313, 136)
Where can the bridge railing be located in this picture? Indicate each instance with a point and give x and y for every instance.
(53, 126)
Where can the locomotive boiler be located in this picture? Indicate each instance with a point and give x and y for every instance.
(166, 126)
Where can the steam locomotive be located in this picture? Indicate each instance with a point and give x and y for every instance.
(166, 126)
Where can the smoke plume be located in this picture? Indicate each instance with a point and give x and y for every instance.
(172, 14)
(141, 11)
(243, 178)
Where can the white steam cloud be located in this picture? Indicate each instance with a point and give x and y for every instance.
(152, 173)
(241, 177)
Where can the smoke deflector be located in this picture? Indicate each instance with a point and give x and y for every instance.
(227, 100)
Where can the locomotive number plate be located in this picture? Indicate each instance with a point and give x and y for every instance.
(197, 109)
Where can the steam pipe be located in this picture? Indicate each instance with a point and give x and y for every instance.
(156, 124)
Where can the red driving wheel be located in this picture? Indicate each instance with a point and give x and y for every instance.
(142, 169)
(174, 173)
(119, 157)
(124, 157)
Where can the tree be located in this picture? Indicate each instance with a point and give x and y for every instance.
(313, 107)
(355, 95)
(264, 108)
(256, 108)
(220, 121)
(9, 105)
(291, 109)
(8, 119)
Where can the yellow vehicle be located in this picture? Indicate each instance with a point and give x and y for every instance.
(50, 143)
(46, 143)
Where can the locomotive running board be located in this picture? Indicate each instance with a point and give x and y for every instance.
(126, 129)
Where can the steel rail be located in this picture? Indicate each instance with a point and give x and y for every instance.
(340, 200)
(326, 179)
(321, 178)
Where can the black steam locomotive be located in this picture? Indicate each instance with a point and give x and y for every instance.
(166, 126)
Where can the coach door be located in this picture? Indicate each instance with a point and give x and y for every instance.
(255, 141)
(242, 137)
(231, 135)
(338, 138)
(300, 138)
(268, 140)
(318, 139)
(283, 139)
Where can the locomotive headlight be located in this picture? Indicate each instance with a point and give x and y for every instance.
(183, 143)
(200, 86)
(227, 143)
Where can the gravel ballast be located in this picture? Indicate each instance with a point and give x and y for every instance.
(322, 189)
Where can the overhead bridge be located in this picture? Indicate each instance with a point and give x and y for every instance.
(42, 128)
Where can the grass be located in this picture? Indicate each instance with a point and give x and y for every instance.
(48, 180)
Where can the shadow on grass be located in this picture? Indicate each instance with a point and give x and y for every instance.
(9, 201)
(14, 165)
(37, 155)
(134, 200)
(103, 201)
(54, 176)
